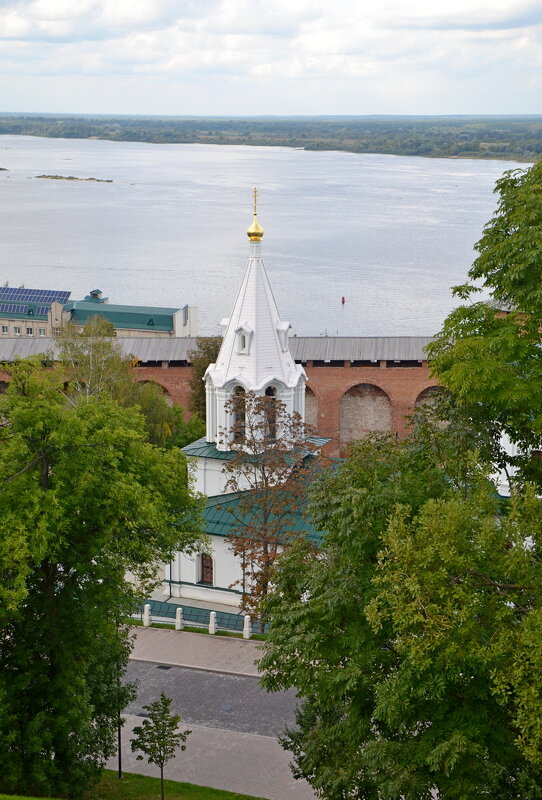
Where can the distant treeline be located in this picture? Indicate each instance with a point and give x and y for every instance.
(507, 137)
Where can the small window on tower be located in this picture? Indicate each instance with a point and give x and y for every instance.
(244, 335)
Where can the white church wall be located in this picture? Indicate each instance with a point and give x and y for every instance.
(183, 576)
(209, 478)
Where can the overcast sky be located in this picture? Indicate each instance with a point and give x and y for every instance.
(247, 57)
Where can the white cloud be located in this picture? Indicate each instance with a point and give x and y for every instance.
(392, 52)
(42, 10)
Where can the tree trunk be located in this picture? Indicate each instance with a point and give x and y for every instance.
(162, 781)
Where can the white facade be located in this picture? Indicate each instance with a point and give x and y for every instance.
(185, 321)
(254, 357)
(183, 577)
(209, 478)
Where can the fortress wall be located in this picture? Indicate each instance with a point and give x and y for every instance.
(174, 380)
(365, 410)
(344, 402)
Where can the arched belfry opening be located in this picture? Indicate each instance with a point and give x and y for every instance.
(271, 413)
(239, 414)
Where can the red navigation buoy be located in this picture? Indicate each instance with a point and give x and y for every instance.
(343, 300)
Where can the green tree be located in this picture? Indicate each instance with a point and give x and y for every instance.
(93, 364)
(273, 462)
(206, 352)
(92, 361)
(412, 637)
(166, 425)
(461, 589)
(158, 737)
(491, 360)
(90, 500)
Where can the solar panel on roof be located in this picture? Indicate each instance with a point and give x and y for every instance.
(22, 309)
(13, 294)
(13, 308)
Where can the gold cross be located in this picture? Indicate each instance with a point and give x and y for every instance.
(255, 196)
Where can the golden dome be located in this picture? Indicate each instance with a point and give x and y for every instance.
(255, 232)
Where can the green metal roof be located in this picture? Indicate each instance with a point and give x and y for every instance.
(201, 448)
(150, 318)
(221, 518)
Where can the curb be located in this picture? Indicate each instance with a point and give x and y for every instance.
(194, 667)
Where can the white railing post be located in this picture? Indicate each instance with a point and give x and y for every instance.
(247, 627)
(179, 621)
(212, 622)
(146, 615)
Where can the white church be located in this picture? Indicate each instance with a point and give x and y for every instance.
(254, 357)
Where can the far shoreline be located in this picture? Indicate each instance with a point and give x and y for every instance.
(483, 138)
(503, 158)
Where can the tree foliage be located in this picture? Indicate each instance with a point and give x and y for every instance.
(158, 736)
(88, 499)
(274, 460)
(491, 360)
(94, 365)
(412, 637)
(206, 352)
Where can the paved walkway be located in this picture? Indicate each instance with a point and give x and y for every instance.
(223, 759)
(196, 650)
(236, 762)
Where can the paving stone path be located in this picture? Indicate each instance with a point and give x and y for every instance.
(222, 758)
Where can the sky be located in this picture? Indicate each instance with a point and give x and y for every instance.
(251, 57)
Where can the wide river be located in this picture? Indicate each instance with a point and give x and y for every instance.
(391, 234)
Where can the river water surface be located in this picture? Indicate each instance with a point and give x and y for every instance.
(389, 233)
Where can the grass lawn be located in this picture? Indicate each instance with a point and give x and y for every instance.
(140, 787)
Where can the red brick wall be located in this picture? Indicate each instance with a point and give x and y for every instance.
(401, 384)
(175, 381)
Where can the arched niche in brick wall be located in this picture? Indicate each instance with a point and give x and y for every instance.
(365, 408)
(311, 408)
(428, 395)
(165, 394)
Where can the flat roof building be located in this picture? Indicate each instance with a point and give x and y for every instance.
(31, 312)
(40, 313)
(135, 321)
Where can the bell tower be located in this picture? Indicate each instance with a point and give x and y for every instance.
(255, 354)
